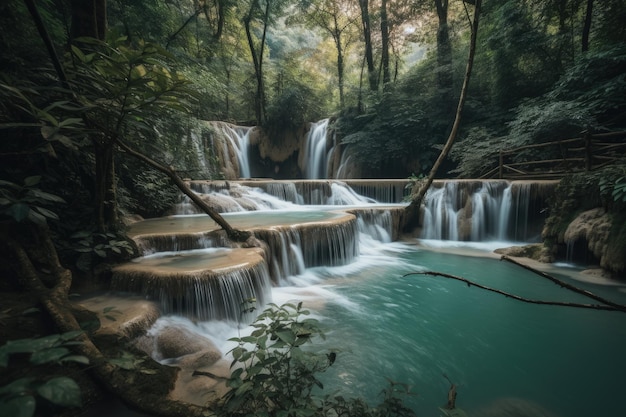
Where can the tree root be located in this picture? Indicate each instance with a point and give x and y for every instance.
(120, 383)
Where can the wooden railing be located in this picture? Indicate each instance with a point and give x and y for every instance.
(565, 156)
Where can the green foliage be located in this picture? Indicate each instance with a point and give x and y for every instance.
(25, 202)
(127, 89)
(147, 192)
(396, 135)
(95, 247)
(274, 374)
(271, 370)
(588, 96)
(130, 362)
(612, 184)
(522, 63)
(474, 152)
(22, 396)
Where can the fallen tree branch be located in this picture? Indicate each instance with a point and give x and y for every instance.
(566, 285)
(233, 234)
(522, 299)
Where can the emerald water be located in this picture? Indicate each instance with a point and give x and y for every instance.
(508, 358)
(503, 354)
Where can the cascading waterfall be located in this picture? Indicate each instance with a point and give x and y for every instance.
(473, 211)
(239, 139)
(454, 210)
(185, 284)
(316, 155)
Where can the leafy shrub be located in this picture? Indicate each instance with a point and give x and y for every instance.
(20, 398)
(273, 374)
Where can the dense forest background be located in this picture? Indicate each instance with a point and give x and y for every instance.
(82, 80)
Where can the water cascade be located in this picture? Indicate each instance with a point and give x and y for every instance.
(485, 210)
(204, 284)
(238, 138)
(316, 154)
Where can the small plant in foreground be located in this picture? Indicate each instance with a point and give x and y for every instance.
(273, 375)
(20, 397)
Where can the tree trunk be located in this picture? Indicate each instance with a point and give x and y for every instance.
(106, 195)
(367, 37)
(54, 299)
(88, 19)
(336, 33)
(412, 211)
(587, 26)
(384, 31)
(257, 60)
(444, 53)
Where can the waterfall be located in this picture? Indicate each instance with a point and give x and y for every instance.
(316, 155)
(474, 211)
(341, 194)
(300, 236)
(239, 139)
(375, 223)
(198, 284)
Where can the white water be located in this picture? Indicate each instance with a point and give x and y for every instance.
(485, 215)
(239, 139)
(315, 154)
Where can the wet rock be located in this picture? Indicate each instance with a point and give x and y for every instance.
(594, 227)
(174, 342)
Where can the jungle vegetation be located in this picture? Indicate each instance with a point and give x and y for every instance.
(84, 84)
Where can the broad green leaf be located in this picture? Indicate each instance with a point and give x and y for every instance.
(30, 311)
(22, 406)
(18, 386)
(286, 336)
(31, 345)
(125, 362)
(61, 391)
(37, 218)
(249, 339)
(9, 184)
(32, 180)
(45, 196)
(71, 335)
(76, 359)
(47, 213)
(48, 355)
(243, 388)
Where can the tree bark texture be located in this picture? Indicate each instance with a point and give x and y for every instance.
(444, 52)
(384, 31)
(372, 76)
(587, 26)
